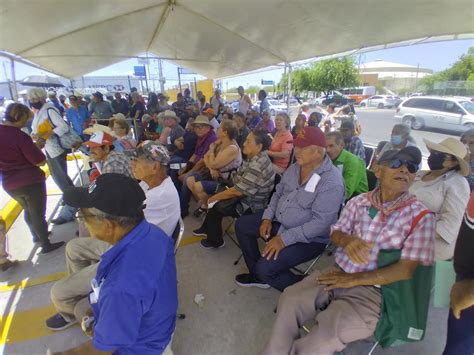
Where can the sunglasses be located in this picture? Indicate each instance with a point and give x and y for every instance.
(397, 163)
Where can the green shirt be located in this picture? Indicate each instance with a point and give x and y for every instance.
(354, 173)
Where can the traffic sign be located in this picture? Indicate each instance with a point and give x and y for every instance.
(139, 70)
(268, 82)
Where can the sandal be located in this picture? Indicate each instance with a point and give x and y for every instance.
(199, 212)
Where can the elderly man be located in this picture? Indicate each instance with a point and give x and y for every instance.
(244, 102)
(134, 292)
(295, 225)
(352, 143)
(211, 115)
(399, 139)
(172, 131)
(99, 109)
(346, 300)
(216, 101)
(84, 254)
(120, 105)
(352, 168)
(249, 192)
(107, 160)
(52, 96)
(77, 115)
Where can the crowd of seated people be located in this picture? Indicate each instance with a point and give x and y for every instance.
(295, 189)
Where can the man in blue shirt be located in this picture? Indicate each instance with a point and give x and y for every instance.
(77, 115)
(134, 294)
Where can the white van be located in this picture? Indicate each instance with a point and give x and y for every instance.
(443, 112)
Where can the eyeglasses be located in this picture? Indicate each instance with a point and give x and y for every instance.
(411, 166)
(80, 215)
(199, 125)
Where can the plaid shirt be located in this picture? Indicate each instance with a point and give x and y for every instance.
(117, 163)
(255, 180)
(356, 147)
(388, 234)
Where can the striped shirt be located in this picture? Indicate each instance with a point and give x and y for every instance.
(255, 179)
(388, 234)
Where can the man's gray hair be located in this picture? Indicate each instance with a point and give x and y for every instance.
(37, 94)
(122, 221)
(339, 139)
(405, 129)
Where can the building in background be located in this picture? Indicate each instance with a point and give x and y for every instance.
(393, 76)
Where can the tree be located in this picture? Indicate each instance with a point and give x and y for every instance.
(461, 70)
(323, 76)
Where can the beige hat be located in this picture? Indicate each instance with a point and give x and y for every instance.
(98, 128)
(201, 119)
(170, 114)
(454, 147)
(119, 116)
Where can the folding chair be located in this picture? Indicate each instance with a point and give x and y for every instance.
(177, 237)
(329, 249)
(369, 155)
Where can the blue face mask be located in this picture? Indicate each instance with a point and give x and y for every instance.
(396, 140)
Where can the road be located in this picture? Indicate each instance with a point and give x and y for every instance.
(377, 125)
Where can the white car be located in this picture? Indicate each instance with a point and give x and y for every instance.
(275, 106)
(379, 101)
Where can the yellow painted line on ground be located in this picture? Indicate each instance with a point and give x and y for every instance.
(189, 241)
(32, 282)
(25, 325)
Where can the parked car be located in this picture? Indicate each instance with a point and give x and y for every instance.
(379, 101)
(334, 98)
(449, 113)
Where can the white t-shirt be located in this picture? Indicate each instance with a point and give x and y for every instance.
(162, 205)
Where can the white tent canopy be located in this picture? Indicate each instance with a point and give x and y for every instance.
(217, 38)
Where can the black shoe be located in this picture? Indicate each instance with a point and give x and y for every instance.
(50, 247)
(184, 214)
(58, 221)
(8, 264)
(247, 280)
(37, 240)
(206, 245)
(199, 212)
(200, 232)
(57, 322)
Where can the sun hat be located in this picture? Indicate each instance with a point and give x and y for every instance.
(170, 114)
(454, 147)
(202, 120)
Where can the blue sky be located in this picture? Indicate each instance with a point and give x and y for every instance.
(436, 56)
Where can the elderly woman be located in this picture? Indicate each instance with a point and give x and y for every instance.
(48, 127)
(249, 190)
(399, 139)
(266, 124)
(242, 129)
(300, 122)
(467, 138)
(445, 191)
(282, 143)
(222, 159)
(22, 178)
(121, 130)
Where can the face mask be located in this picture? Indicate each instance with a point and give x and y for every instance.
(36, 105)
(396, 140)
(435, 161)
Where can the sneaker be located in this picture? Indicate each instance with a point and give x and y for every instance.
(50, 247)
(9, 264)
(247, 280)
(37, 240)
(57, 322)
(200, 232)
(206, 245)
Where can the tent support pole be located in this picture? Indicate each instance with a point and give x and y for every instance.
(14, 88)
(289, 89)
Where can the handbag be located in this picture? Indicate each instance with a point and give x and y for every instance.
(70, 139)
(405, 303)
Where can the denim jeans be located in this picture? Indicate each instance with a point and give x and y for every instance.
(277, 272)
(58, 169)
(185, 193)
(173, 173)
(33, 200)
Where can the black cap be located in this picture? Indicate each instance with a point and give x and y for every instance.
(115, 194)
(412, 154)
(98, 94)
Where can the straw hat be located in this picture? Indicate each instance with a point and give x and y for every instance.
(202, 120)
(98, 128)
(454, 147)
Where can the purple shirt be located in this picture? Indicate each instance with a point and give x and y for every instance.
(18, 159)
(269, 126)
(201, 149)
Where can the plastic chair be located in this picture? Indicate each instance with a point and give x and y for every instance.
(178, 234)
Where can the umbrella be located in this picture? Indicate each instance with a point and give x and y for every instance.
(43, 81)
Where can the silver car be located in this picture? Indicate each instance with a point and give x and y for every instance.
(448, 113)
(379, 101)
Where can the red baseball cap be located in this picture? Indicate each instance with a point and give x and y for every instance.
(310, 136)
(99, 139)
